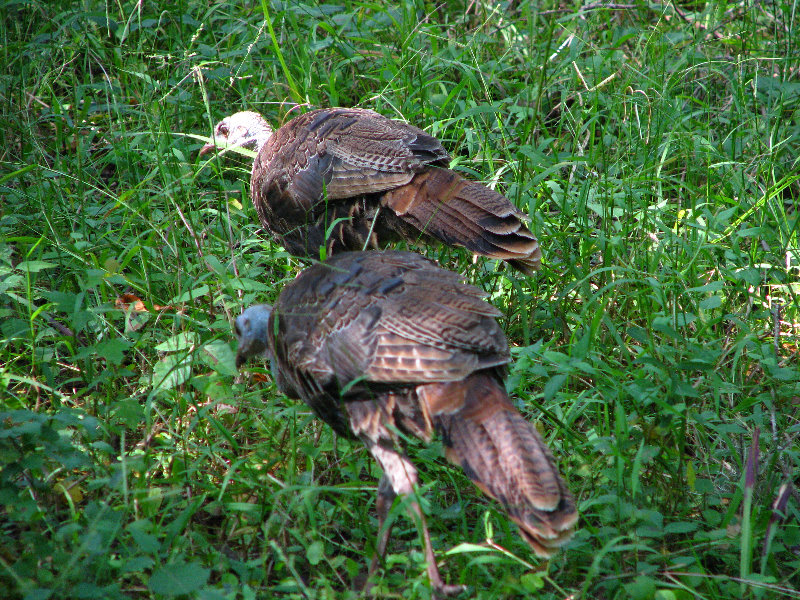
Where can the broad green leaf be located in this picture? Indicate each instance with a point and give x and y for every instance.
(315, 552)
(178, 579)
(641, 588)
(179, 341)
(681, 527)
(219, 356)
(113, 350)
(170, 372)
(34, 266)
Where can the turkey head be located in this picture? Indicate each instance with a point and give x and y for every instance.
(245, 129)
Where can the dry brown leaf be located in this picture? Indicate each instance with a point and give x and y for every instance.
(125, 301)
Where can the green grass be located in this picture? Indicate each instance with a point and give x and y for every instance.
(654, 146)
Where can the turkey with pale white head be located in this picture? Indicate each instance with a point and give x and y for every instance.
(352, 179)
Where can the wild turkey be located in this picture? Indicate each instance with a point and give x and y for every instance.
(376, 342)
(352, 179)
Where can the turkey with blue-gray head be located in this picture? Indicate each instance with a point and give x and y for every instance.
(383, 342)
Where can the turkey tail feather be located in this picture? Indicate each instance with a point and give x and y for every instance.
(504, 456)
(457, 211)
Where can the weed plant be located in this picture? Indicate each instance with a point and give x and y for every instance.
(655, 147)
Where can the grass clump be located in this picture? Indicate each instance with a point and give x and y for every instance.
(655, 148)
